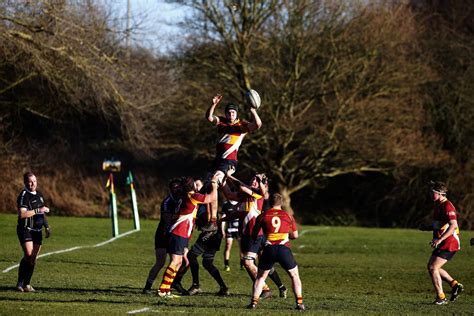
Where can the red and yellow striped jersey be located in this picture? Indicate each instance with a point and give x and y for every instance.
(277, 226)
(230, 138)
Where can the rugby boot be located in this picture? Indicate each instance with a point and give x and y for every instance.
(252, 306)
(19, 287)
(300, 307)
(226, 268)
(440, 301)
(194, 289)
(210, 227)
(28, 288)
(179, 288)
(456, 291)
(224, 291)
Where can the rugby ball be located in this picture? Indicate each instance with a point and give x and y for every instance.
(253, 99)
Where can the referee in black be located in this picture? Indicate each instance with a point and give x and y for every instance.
(31, 219)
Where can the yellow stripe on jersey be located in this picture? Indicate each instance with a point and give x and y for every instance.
(277, 236)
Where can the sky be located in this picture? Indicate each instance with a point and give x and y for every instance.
(153, 22)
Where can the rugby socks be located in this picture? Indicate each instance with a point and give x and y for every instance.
(22, 271)
(453, 283)
(226, 262)
(181, 272)
(215, 274)
(275, 278)
(194, 266)
(254, 300)
(29, 273)
(299, 300)
(442, 296)
(168, 279)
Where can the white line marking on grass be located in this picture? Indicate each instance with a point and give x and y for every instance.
(75, 248)
(313, 230)
(145, 309)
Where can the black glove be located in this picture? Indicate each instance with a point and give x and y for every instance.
(48, 232)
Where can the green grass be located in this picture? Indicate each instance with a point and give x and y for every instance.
(343, 270)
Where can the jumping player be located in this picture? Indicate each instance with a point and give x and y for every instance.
(31, 219)
(169, 208)
(181, 229)
(445, 243)
(278, 227)
(231, 131)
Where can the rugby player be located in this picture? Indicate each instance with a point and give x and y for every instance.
(252, 198)
(31, 209)
(230, 230)
(181, 229)
(445, 243)
(278, 227)
(207, 245)
(168, 210)
(231, 131)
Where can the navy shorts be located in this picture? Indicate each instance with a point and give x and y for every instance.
(248, 245)
(177, 244)
(276, 254)
(445, 254)
(24, 235)
(223, 165)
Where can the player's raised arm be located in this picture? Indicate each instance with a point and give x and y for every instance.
(256, 122)
(210, 112)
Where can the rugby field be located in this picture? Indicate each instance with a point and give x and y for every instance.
(344, 270)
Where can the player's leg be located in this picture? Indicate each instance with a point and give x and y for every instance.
(195, 251)
(177, 286)
(297, 287)
(456, 287)
(434, 265)
(26, 243)
(37, 242)
(160, 258)
(208, 264)
(257, 288)
(228, 247)
(285, 258)
(177, 245)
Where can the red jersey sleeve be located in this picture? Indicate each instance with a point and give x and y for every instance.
(450, 211)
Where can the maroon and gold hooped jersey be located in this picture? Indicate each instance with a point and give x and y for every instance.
(276, 225)
(230, 138)
(253, 207)
(183, 226)
(443, 213)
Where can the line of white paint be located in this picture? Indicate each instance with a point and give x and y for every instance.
(313, 230)
(145, 309)
(75, 248)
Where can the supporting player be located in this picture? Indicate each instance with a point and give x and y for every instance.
(207, 245)
(445, 243)
(252, 197)
(182, 227)
(231, 131)
(169, 208)
(278, 227)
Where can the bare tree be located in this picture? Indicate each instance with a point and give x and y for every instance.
(340, 85)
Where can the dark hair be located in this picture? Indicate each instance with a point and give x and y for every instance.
(232, 106)
(187, 183)
(174, 182)
(26, 176)
(276, 199)
(439, 187)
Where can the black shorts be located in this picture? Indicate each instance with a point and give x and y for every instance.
(223, 165)
(276, 254)
(177, 244)
(207, 248)
(232, 235)
(24, 235)
(248, 245)
(445, 254)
